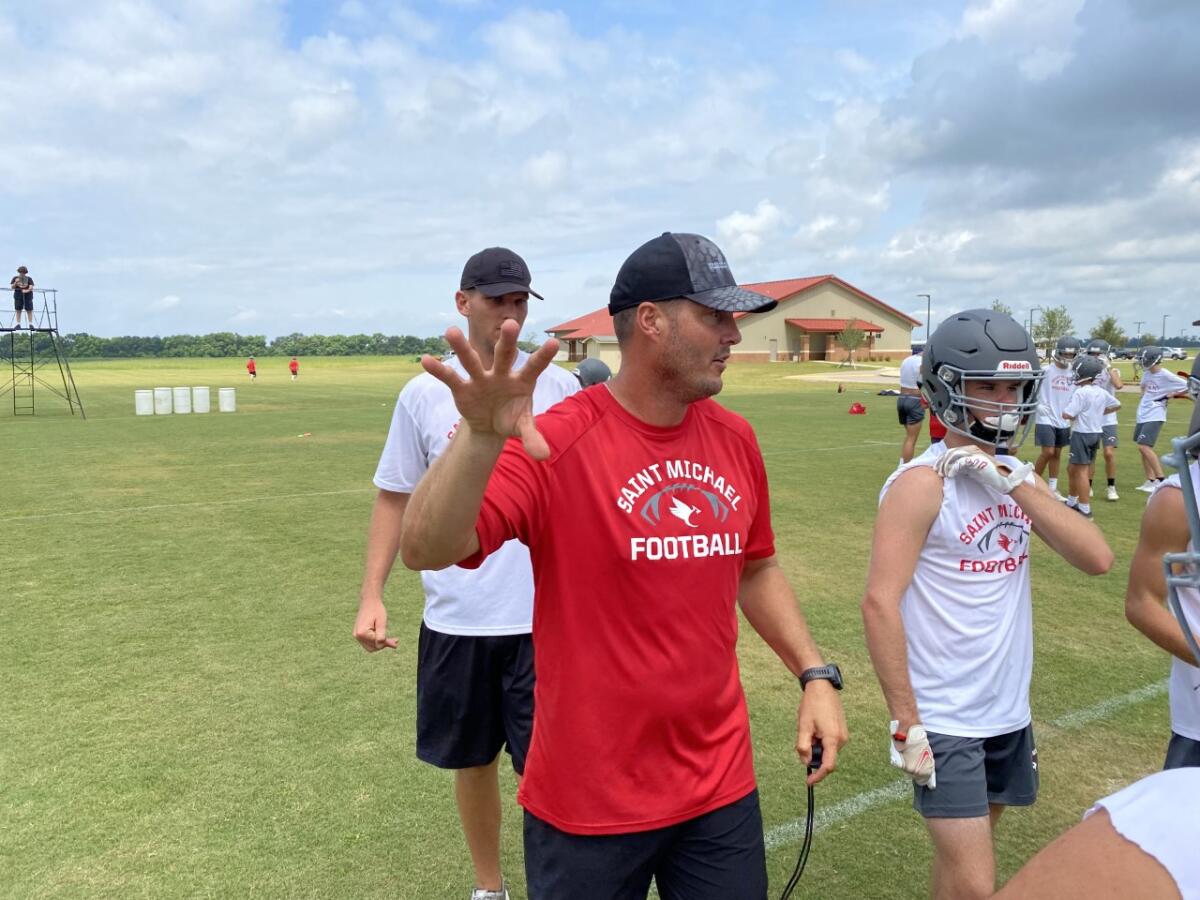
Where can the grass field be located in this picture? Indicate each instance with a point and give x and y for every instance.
(185, 714)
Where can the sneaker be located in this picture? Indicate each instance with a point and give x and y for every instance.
(1059, 497)
(1112, 493)
(1079, 509)
(1146, 488)
(481, 894)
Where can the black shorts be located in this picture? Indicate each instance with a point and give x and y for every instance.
(717, 856)
(22, 301)
(474, 697)
(1182, 753)
(973, 773)
(1051, 436)
(909, 410)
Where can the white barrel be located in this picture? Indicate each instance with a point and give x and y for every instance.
(143, 403)
(226, 401)
(162, 401)
(183, 400)
(201, 401)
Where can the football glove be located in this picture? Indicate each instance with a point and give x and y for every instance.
(911, 753)
(971, 462)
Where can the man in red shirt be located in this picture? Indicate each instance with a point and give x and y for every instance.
(252, 368)
(294, 368)
(645, 507)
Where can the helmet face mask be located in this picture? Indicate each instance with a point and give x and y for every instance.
(1066, 350)
(1183, 569)
(1150, 356)
(982, 346)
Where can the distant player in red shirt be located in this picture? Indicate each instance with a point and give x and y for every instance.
(252, 368)
(294, 368)
(645, 508)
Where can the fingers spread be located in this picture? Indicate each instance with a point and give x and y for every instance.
(539, 360)
(506, 347)
(535, 445)
(465, 352)
(441, 372)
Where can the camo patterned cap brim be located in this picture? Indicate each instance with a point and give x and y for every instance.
(682, 265)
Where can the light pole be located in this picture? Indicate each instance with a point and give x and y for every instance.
(1031, 312)
(926, 296)
(1137, 328)
(1164, 327)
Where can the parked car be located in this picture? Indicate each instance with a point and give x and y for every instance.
(1174, 353)
(1126, 353)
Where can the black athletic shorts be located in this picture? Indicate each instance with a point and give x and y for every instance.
(909, 410)
(474, 697)
(975, 772)
(1182, 753)
(21, 301)
(717, 856)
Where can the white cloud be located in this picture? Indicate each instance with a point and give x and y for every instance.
(546, 171)
(164, 303)
(743, 233)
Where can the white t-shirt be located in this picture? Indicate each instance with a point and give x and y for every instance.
(1087, 406)
(1057, 386)
(1104, 380)
(496, 598)
(1157, 388)
(910, 372)
(967, 613)
(1161, 814)
(1184, 686)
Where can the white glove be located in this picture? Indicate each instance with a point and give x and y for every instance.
(974, 463)
(912, 755)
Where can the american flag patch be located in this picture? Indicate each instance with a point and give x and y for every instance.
(512, 270)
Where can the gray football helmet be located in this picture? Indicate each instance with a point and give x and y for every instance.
(592, 371)
(980, 345)
(1087, 369)
(1150, 356)
(1099, 347)
(1067, 348)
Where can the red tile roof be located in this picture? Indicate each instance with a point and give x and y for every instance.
(599, 323)
(834, 326)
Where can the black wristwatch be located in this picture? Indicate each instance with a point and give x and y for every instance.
(830, 673)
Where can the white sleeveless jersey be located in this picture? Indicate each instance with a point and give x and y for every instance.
(1161, 815)
(1184, 686)
(910, 371)
(1104, 380)
(1057, 387)
(496, 598)
(967, 613)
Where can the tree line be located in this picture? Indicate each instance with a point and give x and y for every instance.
(226, 343)
(1055, 322)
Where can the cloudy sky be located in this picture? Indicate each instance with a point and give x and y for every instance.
(270, 167)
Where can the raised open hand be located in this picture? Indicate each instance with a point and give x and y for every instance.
(496, 400)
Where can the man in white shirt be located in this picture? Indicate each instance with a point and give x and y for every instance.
(1050, 431)
(1158, 387)
(947, 606)
(909, 408)
(475, 655)
(1165, 530)
(1110, 380)
(1086, 411)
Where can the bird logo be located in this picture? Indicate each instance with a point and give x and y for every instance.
(683, 511)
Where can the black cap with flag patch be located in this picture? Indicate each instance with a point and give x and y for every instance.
(682, 265)
(497, 271)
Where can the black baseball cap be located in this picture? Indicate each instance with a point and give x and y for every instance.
(682, 265)
(497, 271)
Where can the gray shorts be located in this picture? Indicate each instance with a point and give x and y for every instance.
(1146, 433)
(1084, 445)
(1182, 753)
(1110, 435)
(1049, 436)
(909, 409)
(973, 773)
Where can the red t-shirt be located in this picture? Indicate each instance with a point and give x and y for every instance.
(638, 536)
(250, 366)
(293, 365)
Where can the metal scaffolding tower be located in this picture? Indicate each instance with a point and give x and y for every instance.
(33, 356)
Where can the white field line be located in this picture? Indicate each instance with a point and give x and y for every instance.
(197, 504)
(793, 832)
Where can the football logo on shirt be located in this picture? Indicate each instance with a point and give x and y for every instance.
(688, 492)
(1000, 533)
